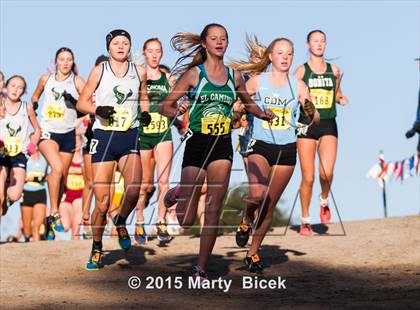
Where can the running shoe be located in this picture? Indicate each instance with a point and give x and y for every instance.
(171, 196)
(149, 195)
(306, 229)
(162, 232)
(57, 225)
(140, 234)
(199, 273)
(123, 238)
(49, 231)
(242, 234)
(94, 262)
(253, 263)
(325, 214)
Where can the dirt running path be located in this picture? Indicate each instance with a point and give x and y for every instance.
(376, 265)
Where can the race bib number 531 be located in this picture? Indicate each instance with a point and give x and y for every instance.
(215, 125)
(282, 120)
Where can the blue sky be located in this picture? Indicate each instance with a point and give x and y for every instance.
(375, 43)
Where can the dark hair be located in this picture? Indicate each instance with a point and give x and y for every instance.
(190, 44)
(100, 59)
(151, 40)
(66, 49)
(308, 37)
(2, 75)
(164, 68)
(20, 77)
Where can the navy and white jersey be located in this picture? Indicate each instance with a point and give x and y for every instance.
(120, 93)
(14, 131)
(56, 116)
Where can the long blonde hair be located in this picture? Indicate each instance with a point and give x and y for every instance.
(258, 51)
(189, 44)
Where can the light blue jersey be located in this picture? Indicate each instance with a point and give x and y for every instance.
(36, 170)
(284, 103)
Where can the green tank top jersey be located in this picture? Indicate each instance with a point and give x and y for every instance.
(211, 105)
(157, 90)
(322, 90)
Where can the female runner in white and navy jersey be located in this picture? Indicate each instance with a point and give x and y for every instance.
(59, 120)
(15, 143)
(119, 86)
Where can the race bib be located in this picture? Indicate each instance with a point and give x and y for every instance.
(12, 146)
(54, 112)
(159, 124)
(120, 121)
(322, 98)
(282, 120)
(75, 182)
(215, 125)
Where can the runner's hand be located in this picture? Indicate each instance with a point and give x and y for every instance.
(105, 111)
(267, 115)
(183, 107)
(145, 118)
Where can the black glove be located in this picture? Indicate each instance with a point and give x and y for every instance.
(105, 111)
(145, 118)
(69, 100)
(414, 130)
(35, 105)
(309, 108)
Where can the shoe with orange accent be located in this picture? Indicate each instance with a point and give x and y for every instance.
(306, 229)
(242, 234)
(94, 262)
(253, 263)
(124, 239)
(162, 232)
(140, 234)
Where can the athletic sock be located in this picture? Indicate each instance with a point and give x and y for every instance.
(119, 220)
(306, 220)
(97, 245)
(323, 202)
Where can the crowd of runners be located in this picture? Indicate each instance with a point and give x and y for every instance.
(107, 140)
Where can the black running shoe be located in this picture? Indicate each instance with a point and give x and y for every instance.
(242, 234)
(253, 263)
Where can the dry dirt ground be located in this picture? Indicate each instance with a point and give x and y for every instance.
(374, 265)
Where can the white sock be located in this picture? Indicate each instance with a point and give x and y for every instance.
(306, 220)
(323, 202)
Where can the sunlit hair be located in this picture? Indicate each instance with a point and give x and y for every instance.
(189, 44)
(259, 51)
(74, 68)
(19, 77)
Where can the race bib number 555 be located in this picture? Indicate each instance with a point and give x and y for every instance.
(215, 125)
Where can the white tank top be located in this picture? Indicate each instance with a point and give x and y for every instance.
(56, 117)
(120, 93)
(14, 131)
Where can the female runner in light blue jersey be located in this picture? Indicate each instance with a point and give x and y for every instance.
(272, 150)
